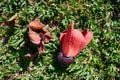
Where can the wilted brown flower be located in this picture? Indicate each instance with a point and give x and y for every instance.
(38, 34)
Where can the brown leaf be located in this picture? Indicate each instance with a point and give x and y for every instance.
(13, 17)
(11, 22)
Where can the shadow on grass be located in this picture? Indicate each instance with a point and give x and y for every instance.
(9, 33)
(28, 47)
(58, 66)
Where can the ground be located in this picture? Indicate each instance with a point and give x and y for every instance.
(100, 60)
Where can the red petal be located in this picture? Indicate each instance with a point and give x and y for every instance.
(73, 41)
(66, 39)
(88, 35)
(62, 35)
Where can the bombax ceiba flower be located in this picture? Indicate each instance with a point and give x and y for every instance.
(72, 41)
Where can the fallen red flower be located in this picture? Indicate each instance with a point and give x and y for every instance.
(72, 41)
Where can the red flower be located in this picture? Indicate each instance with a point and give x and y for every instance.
(72, 41)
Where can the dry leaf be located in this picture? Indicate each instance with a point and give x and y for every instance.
(11, 22)
(13, 17)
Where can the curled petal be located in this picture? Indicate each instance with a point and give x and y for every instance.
(34, 36)
(62, 35)
(66, 39)
(36, 25)
(88, 35)
(47, 35)
(41, 47)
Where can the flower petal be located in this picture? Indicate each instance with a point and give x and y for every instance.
(41, 47)
(36, 24)
(62, 35)
(33, 36)
(66, 39)
(88, 35)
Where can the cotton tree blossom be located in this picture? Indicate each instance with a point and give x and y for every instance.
(72, 41)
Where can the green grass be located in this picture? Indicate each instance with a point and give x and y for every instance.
(100, 60)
